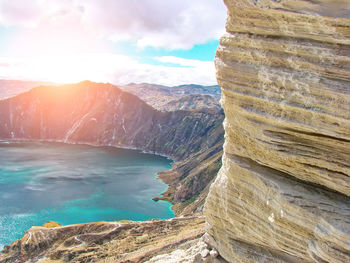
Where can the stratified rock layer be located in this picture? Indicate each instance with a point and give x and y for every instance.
(107, 242)
(283, 193)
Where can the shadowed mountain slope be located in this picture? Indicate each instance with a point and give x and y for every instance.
(102, 114)
(183, 97)
(190, 102)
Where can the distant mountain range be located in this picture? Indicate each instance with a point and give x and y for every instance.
(163, 98)
(166, 98)
(191, 102)
(10, 88)
(102, 114)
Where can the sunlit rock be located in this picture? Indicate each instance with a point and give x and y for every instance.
(283, 193)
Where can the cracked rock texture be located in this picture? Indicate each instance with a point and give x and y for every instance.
(107, 242)
(283, 193)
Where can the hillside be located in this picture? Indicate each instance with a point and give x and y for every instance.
(105, 242)
(11, 88)
(102, 114)
(191, 102)
(166, 98)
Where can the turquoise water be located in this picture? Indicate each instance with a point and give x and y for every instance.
(73, 184)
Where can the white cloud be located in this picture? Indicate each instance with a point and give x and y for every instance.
(184, 62)
(106, 67)
(170, 24)
(17, 12)
(60, 36)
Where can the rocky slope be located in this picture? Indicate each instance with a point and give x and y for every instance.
(191, 102)
(190, 179)
(123, 241)
(165, 98)
(283, 193)
(102, 114)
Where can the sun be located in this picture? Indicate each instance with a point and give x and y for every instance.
(60, 54)
(67, 68)
(71, 68)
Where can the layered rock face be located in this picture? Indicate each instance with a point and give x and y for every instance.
(106, 242)
(283, 193)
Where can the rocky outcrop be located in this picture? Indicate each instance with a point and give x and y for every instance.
(283, 193)
(123, 241)
(192, 251)
(190, 179)
(102, 114)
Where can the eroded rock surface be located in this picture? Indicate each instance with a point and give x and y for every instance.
(283, 193)
(104, 241)
(193, 251)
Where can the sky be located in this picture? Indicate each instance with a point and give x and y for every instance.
(167, 42)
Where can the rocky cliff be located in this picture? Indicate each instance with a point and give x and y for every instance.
(102, 114)
(283, 193)
(106, 242)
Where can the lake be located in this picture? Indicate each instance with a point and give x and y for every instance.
(72, 184)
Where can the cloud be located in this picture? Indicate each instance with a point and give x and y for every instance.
(170, 24)
(18, 12)
(184, 62)
(72, 40)
(107, 67)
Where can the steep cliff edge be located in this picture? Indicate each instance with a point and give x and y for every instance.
(106, 242)
(283, 193)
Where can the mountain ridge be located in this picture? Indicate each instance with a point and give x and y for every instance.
(103, 115)
(161, 97)
(11, 88)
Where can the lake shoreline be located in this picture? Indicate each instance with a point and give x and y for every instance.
(127, 177)
(161, 178)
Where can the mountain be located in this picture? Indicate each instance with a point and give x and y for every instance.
(190, 102)
(10, 88)
(106, 242)
(102, 114)
(160, 96)
(283, 192)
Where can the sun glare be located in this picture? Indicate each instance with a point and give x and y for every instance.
(63, 69)
(70, 68)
